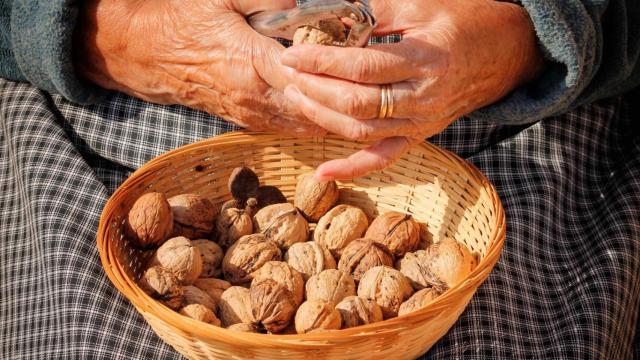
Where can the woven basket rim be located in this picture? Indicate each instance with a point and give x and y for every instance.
(145, 304)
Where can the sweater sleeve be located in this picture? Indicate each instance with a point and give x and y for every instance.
(35, 46)
(592, 47)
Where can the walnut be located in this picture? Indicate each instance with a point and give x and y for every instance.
(317, 315)
(309, 258)
(281, 223)
(284, 274)
(272, 305)
(387, 287)
(324, 32)
(201, 313)
(211, 255)
(246, 256)
(443, 265)
(231, 225)
(419, 300)
(356, 311)
(269, 195)
(243, 183)
(235, 306)
(150, 221)
(162, 285)
(192, 216)
(181, 257)
(213, 287)
(250, 206)
(315, 198)
(341, 225)
(400, 233)
(240, 327)
(193, 295)
(361, 255)
(330, 285)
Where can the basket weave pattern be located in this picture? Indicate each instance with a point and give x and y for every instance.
(438, 188)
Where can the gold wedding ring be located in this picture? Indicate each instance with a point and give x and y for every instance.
(386, 101)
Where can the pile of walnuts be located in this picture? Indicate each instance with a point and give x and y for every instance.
(253, 265)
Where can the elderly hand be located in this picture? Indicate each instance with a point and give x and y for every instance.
(198, 53)
(456, 56)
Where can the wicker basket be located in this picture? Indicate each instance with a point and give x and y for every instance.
(441, 190)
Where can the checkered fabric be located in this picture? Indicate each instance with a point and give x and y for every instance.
(566, 287)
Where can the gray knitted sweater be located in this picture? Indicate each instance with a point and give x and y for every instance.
(592, 45)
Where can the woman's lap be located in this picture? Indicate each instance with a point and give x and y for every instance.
(566, 286)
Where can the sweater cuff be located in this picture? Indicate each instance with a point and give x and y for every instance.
(567, 36)
(42, 38)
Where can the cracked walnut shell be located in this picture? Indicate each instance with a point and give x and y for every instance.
(317, 315)
(419, 300)
(400, 233)
(235, 306)
(212, 255)
(150, 221)
(231, 225)
(281, 223)
(284, 274)
(340, 226)
(442, 265)
(272, 305)
(246, 256)
(192, 216)
(309, 258)
(163, 286)
(356, 311)
(323, 32)
(314, 198)
(330, 285)
(387, 287)
(201, 313)
(181, 257)
(361, 255)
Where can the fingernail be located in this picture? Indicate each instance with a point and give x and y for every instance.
(289, 59)
(292, 93)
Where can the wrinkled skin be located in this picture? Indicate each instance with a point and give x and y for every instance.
(201, 54)
(456, 56)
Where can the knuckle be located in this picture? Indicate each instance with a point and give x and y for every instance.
(354, 104)
(365, 67)
(359, 132)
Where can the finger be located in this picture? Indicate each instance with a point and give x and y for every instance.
(248, 7)
(347, 126)
(378, 64)
(361, 101)
(376, 157)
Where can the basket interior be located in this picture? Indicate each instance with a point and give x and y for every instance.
(450, 198)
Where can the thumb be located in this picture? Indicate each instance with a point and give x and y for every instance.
(248, 7)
